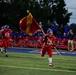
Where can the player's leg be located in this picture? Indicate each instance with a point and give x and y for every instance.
(49, 51)
(5, 49)
(43, 51)
(1, 47)
(72, 45)
(68, 44)
(5, 44)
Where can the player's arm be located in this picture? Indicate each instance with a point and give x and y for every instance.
(45, 39)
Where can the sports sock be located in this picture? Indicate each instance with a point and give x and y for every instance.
(50, 60)
(1, 50)
(6, 53)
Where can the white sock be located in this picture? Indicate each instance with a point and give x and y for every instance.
(6, 53)
(50, 60)
(1, 49)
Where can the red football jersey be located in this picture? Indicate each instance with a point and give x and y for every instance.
(6, 34)
(53, 38)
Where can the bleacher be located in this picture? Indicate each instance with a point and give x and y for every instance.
(36, 42)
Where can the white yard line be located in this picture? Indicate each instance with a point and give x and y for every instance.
(36, 68)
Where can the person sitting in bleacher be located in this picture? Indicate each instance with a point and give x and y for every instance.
(66, 29)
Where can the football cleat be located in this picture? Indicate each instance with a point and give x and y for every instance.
(6, 55)
(50, 64)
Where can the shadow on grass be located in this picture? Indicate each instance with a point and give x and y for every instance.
(70, 69)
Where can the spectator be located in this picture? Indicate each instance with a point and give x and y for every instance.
(54, 28)
(60, 31)
(70, 40)
(66, 29)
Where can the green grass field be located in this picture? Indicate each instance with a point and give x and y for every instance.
(34, 64)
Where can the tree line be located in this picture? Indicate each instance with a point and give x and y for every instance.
(12, 11)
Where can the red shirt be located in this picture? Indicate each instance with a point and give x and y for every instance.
(51, 40)
(6, 34)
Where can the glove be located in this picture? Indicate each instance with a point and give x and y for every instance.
(10, 40)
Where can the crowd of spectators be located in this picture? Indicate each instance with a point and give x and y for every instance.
(24, 40)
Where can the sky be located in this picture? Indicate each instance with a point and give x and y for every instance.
(71, 6)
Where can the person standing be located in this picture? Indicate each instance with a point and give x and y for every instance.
(48, 41)
(6, 35)
(70, 40)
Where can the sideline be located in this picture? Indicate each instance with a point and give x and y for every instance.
(38, 51)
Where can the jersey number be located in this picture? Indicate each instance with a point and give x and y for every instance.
(7, 34)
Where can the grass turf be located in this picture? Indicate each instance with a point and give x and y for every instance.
(34, 64)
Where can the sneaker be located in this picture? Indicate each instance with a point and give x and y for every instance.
(50, 64)
(6, 55)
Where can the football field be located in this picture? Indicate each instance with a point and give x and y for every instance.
(24, 63)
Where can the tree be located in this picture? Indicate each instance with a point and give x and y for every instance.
(53, 10)
(42, 10)
(3, 13)
(61, 13)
